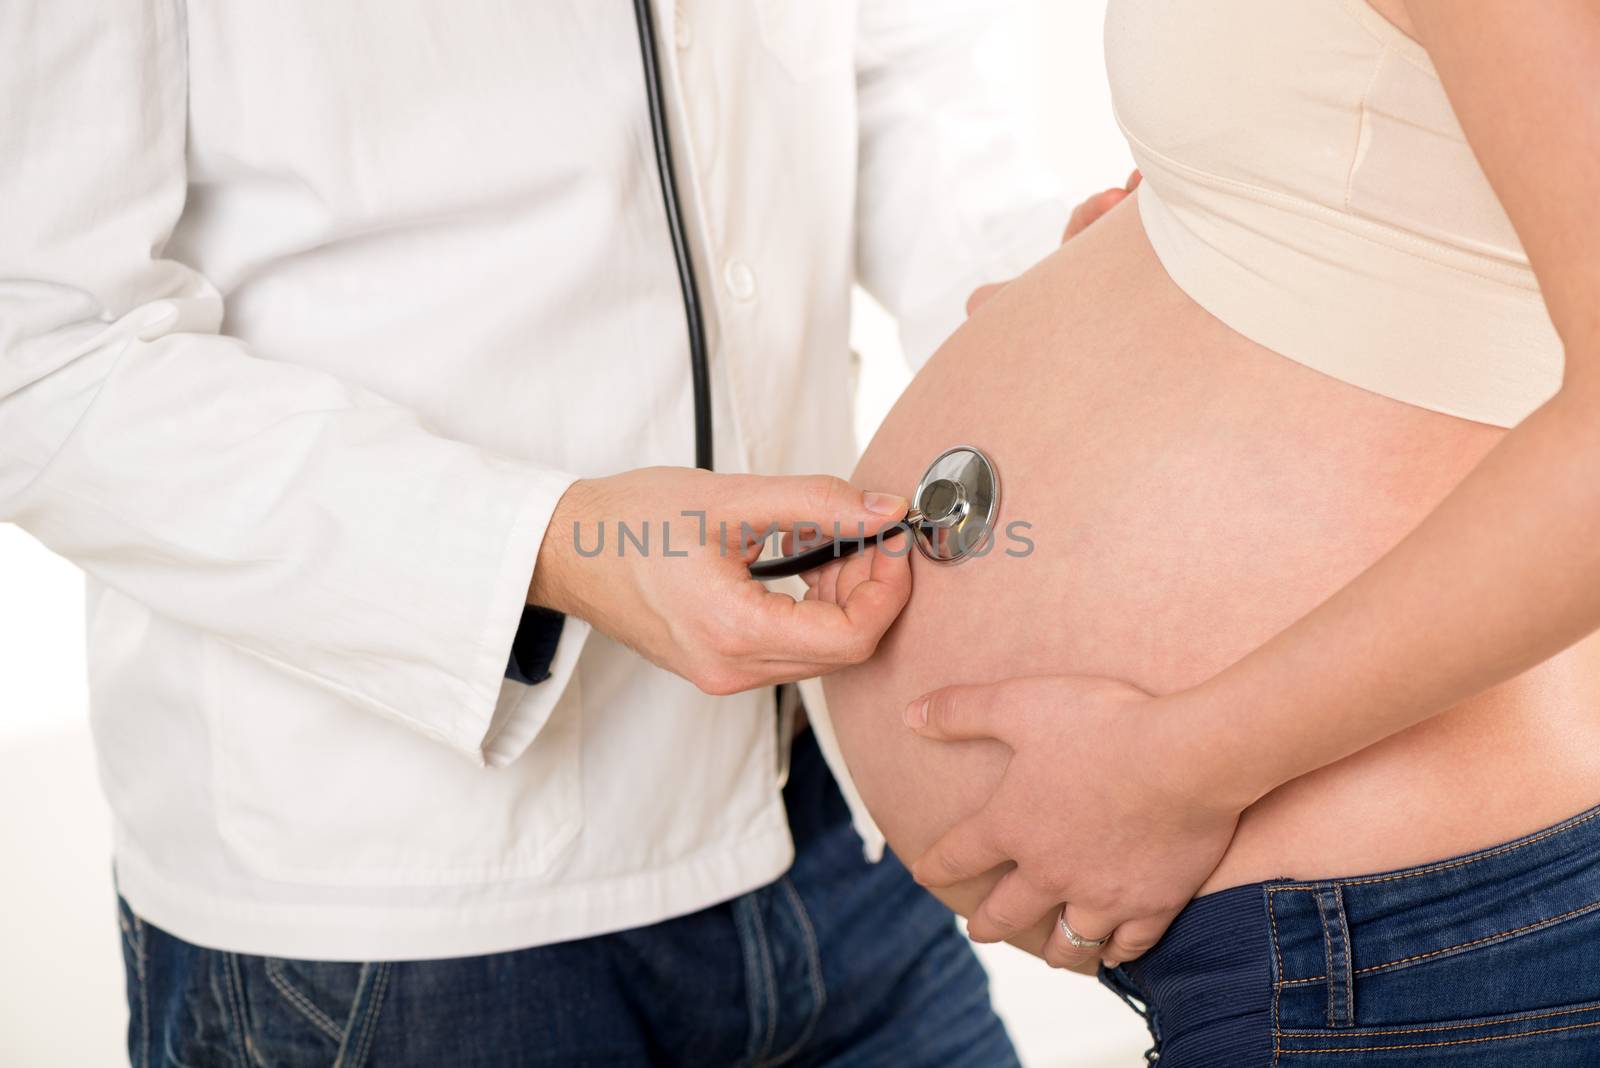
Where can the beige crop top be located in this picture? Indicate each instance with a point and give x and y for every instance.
(1307, 183)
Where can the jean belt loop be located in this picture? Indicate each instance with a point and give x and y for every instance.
(1336, 948)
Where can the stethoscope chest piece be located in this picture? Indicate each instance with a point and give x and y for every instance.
(956, 506)
(952, 517)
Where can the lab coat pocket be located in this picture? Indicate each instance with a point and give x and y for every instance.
(311, 788)
(808, 38)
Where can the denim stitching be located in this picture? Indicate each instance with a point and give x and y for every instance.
(1277, 984)
(1447, 865)
(752, 978)
(774, 1006)
(1451, 1042)
(763, 994)
(139, 960)
(814, 961)
(1369, 969)
(319, 1019)
(1349, 961)
(1463, 1025)
(360, 1019)
(1336, 956)
(1590, 907)
(1327, 958)
(233, 985)
(369, 1026)
(1460, 1026)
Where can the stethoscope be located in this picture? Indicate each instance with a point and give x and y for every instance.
(957, 502)
(951, 518)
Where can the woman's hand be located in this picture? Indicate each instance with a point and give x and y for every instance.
(1100, 807)
(1082, 216)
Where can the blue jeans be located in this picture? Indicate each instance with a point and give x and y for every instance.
(839, 963)
(1492, 958)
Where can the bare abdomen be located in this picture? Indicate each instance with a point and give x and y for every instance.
(1187, 494)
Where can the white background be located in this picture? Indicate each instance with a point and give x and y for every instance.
(61, 996)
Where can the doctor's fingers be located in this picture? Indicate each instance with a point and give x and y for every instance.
(812, 503)
(822, 632)
(828, 581)
(886, 563)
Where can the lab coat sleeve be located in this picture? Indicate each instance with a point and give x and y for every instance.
(303, 520)
(949, 195)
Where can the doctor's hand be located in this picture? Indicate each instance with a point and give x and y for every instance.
(677, 589)
(1082, 215)
(1104, 806)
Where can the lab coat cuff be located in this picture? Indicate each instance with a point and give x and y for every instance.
(507, 715)
(522, 710)
(1009, 246)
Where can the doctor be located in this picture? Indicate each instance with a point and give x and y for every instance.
(331, 338)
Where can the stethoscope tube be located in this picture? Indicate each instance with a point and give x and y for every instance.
(699, 363)
(952, 517)
(922, 523)
(827, 552)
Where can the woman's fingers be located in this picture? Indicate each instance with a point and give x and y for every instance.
(981, 296)
(961, 713)
(1059, 952)
(1012, 907)
(966, 850)
(1090, 210)
(1125, 941)
(1082, 215)
(1134, 939)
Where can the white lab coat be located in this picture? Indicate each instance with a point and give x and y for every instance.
(309, 313)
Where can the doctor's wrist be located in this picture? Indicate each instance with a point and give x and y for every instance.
(557, 581)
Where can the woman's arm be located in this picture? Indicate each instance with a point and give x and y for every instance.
(1506, 571)
(1502, 575)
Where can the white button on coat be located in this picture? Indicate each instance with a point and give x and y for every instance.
(740, 279)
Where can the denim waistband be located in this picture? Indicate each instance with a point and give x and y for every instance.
(1422, 915)
(1245, 965)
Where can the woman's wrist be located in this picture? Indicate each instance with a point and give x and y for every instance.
(1200, 743)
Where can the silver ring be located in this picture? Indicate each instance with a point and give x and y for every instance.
(1077, 940)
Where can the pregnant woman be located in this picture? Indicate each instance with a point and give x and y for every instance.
(1295, 686)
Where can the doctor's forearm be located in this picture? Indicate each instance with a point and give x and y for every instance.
(1502, 575)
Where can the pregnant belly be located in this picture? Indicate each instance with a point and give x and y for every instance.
(1187, 494)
